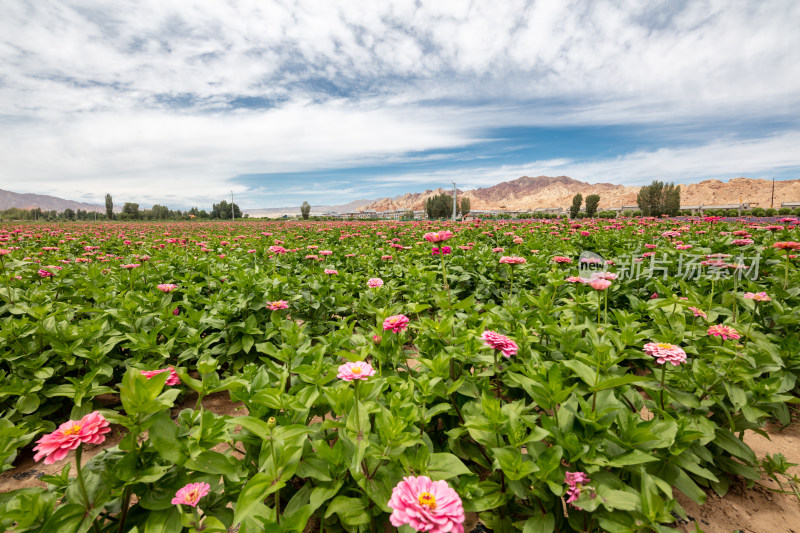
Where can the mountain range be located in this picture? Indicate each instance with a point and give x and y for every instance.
(520, 194)
(543, 191)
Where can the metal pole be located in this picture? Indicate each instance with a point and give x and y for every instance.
(772, 200)
(454, 201)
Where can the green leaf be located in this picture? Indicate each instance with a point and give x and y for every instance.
(728, 442)
(618, 382)
(542, 523)
(165, 521)
(253, 494)
(446, 466)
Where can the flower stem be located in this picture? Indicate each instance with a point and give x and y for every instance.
(663, 376)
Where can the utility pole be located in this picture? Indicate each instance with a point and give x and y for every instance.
(233, 213)
(454, 201)
(772, 200)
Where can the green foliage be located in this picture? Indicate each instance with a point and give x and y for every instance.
(109, 207)
(466, 205)
(577, 200)
(439, 206)
(501, 431)
(222, 211)
(592, 201)
(659, 199)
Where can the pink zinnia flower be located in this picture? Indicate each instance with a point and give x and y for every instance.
(396, 323)
(278, 249)
(665, 353)
(561, 259)
(331, 272)
(599, 284)
(575, 480)
(757, 296)
(167, 287)
(510, 260)
(45, 273)
(438, 236)
(69, 435)
(726, 332)
(191, 494)
(375, 283)
(358, 370)
(173, 378)
(787, 245)
(426, 505)
(130, 266)
(499, 342)
(576, 279)
(698, 312)
(280, 304)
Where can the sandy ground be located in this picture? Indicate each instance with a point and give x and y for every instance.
(757, 509)
(753, 510)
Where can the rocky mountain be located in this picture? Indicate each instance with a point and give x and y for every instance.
(543, 191)
(10, 199)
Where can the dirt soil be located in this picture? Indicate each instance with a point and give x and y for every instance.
(749, 510)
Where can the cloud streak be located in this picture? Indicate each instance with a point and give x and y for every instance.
(173, 102)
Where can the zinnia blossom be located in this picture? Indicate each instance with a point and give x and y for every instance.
(726, 332)
(510, 260)
(191, 494)
(426, 505)
(499, 342)
(173, 378)
(396, 323)
(438, 236)
(331, 272)
(575, 480)
(357, 370)
(69, 435)
(280, 304)
(599, 284)
(665, 353)
(375, 283)
(757, 296)
(167, 287)
(787, 245)
(698, 312)
(561, 259)
(130, 266)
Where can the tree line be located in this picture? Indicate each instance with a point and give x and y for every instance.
(130, 211)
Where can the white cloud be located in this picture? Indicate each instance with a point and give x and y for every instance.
(721, 159)
(134, 96)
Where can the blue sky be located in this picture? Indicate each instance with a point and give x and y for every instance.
(286, 101)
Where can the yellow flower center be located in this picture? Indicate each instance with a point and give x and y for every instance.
(74, 430)
(356, 370)
(664, 345)
(427, 499)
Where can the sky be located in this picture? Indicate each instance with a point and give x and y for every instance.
(329, 101)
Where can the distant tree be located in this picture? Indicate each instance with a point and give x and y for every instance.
(130, 210)
(222, 210)
(659, 199)
(159, 212)
(408, 214)
(577, 200)
(465, 206)
(305, 209)
(439, 206)
(69, 214)
(592, 201)
(109, 207)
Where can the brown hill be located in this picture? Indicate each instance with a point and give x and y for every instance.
(10, 199)
(543, 191)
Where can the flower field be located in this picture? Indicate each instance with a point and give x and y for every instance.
(547, 375)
